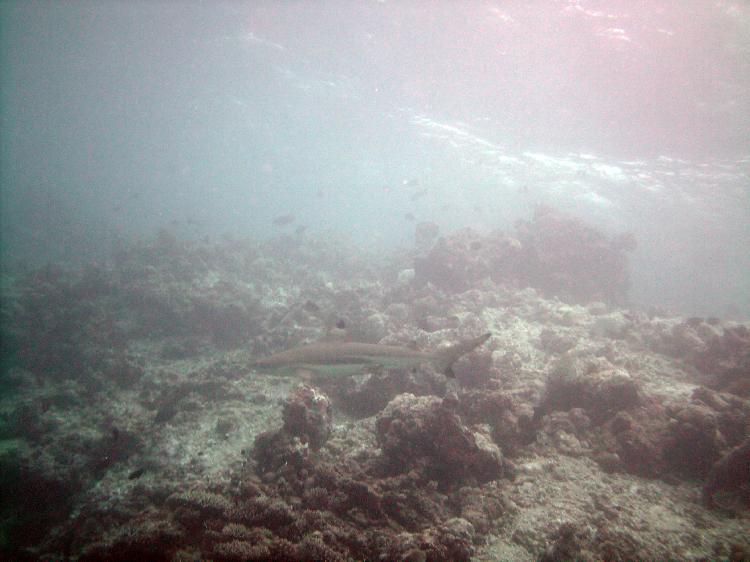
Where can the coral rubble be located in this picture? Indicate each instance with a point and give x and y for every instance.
(133, 426)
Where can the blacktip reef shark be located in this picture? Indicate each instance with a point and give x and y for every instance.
(349, 358)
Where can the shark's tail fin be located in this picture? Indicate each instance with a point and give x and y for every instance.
(445, 358)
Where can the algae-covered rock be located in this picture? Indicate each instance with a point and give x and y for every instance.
(426, 432)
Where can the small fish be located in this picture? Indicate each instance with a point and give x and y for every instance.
(410, 217)
(283, 220)
(418, 194)
(137, 473)
(347, 358)
(311, 307)
(300, 230)
(412, 182)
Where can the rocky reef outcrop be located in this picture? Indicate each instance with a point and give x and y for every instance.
(298, 498)
(557, 254)
(719, 352)
(426, 434)
(133, 426)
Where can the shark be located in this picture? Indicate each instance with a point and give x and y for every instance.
(349, 358)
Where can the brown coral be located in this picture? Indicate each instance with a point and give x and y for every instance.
(425, 432)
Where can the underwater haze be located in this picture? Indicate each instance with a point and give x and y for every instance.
(359, 119)
(374, 280)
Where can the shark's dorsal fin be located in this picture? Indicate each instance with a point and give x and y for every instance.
(446, 357)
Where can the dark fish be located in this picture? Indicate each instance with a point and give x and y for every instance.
(410, 217)
(418, 194)
(310, 306)
(300, 230)
(341, 324)
(283, 220)
(137, 473)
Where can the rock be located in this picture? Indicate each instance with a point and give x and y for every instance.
(566, 257)
(694, 443)
(375, 327)
(307, 425)
(510, 420)
(307, 415)
(451, 541)
(423, 433)
(611, 325)
(601, 393)
(553, 342)
(729, 473)
(208, 503)
(425, 235)
(405, 276)
(597, 308)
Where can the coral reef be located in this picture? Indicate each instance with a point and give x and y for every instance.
(307, 425)
(426, 434)
(132, 426)
(729, 474)
(566, 257)
(554, 253)
(510, 419)
(601, 393)
(720, 353)
(312, 506)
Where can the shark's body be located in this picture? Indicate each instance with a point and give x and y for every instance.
(347, 358)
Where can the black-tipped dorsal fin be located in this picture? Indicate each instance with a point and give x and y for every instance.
(446, 357)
